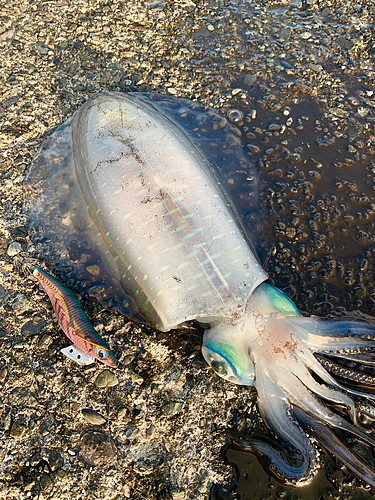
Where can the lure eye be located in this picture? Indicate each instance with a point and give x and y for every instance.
(102, 353)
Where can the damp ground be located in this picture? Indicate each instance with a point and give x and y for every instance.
(300, 76)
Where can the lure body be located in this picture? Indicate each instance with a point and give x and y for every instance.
(74, 321)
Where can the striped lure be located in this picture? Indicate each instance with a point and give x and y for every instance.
(74, 322)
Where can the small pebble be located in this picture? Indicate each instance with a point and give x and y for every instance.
(14, 249)
(173, 408)
(17, 430)
(94, 270)
(98, 449)
(45, 481)
(178, 495)
(363, 112)
(290, 232)
(29, 486)
(45, 341)
(135, 377)
(21, 304)
(126, 490)
(106, 379)
(3, 292)
(92, 417)
(122, 413)
(33, 327)
(150, 431)
(3, 374)
(127, 359)
(145, 465)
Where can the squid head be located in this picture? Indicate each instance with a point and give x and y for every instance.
(231, 347)
(271, 347)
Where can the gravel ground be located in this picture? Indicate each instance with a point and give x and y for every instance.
(298, 81)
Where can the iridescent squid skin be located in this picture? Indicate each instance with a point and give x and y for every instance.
(150, 204)
(73, 319)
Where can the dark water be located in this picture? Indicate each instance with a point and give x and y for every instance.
(318, 201)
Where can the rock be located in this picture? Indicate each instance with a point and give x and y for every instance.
(45, 341)
(18, 231)
(122, 413)
(17, 430)
(145, 465)
(21, 304)
(285, 33)
(14, 249)
(94, 270)
(106, 379)
(92, 417)
(126, 490)
(136, 378)
(249, 80)
(55, 460)
(178, 494)
(45, 481)
(150, 431)
(3, 374)
(33, 327)
(363, 112)
(344, 43)
(30, 485)
(42, 48)
(3, 292)
(127, 359)
(173, 408)
(35, 459)
(98, 449)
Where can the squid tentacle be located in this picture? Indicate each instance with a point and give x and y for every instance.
(335, 446)
(297, 470)
(313, 364)
(302, 379)
(298, 464)
(364, 358)
(349, 374)
(326, 335)
(308, 403)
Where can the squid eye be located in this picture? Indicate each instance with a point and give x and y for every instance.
(219, 368)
